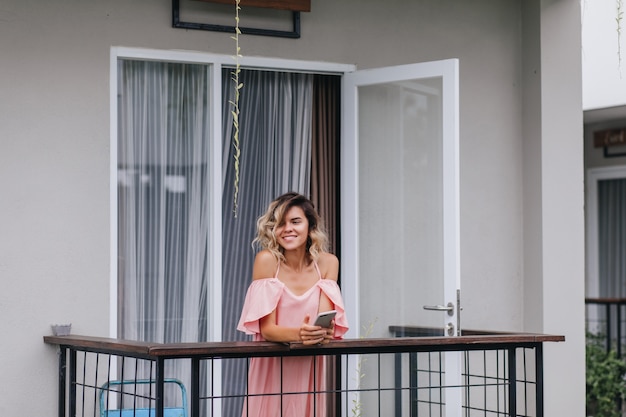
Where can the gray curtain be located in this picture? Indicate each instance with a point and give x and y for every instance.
(612, 237)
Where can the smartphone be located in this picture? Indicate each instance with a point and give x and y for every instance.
(324, 319)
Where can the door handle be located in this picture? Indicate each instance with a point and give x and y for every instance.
(449, 308)
(450, 330)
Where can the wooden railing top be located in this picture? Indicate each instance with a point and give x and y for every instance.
(248, 349)
(605, 300)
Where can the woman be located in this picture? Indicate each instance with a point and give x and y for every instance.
(294, 279)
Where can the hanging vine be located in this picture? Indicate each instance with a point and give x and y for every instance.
(618, 19)
(235, 108)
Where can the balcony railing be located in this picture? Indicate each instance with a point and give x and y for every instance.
(606, 318)
(480, 374)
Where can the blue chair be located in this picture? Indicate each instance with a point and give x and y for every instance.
(179, 411)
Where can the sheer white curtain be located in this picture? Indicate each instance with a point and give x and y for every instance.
(162, 201)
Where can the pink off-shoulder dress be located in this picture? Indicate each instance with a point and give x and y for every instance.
(300, 375)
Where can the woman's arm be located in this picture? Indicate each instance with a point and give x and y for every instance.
(265, 265)
(329, 269)
(329, 266)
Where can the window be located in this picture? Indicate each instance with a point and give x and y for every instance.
(606, 224)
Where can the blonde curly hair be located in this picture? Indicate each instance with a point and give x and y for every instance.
(317, 241)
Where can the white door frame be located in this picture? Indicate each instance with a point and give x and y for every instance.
(591, 219)
(215, 192)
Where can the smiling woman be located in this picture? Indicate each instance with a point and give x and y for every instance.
(294, 279)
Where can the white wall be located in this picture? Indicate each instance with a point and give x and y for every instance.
(553, 198)
(54, 157)
(604, 72)
(562, 201)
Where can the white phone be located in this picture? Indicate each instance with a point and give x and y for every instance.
(324, 319)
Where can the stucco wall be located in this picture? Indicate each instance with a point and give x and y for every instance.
(54, 151)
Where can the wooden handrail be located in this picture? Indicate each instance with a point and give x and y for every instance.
(245, 349)
(605, 300)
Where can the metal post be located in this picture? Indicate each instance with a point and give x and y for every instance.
(337, 385)
(398, 383)
(72, 383)
(512, 382)
(195, 387)
(413, 382)
(160, 386)
(618, 306)
(62, 379)
(608, 327)
(539, 378)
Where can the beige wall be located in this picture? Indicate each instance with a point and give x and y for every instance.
(54, 154)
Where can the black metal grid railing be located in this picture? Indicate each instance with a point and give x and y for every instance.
(498, 375)
(606, 319)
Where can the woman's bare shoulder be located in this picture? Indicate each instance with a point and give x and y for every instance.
(329, 266)
(265, 264)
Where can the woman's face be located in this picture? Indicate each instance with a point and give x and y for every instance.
(293, 232)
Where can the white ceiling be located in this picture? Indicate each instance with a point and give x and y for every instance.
(604, 115)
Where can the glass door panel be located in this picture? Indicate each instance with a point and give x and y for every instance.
(400, 213)
(400, 204)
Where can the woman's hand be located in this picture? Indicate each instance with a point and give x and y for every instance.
(330, 333)
(315, 335)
